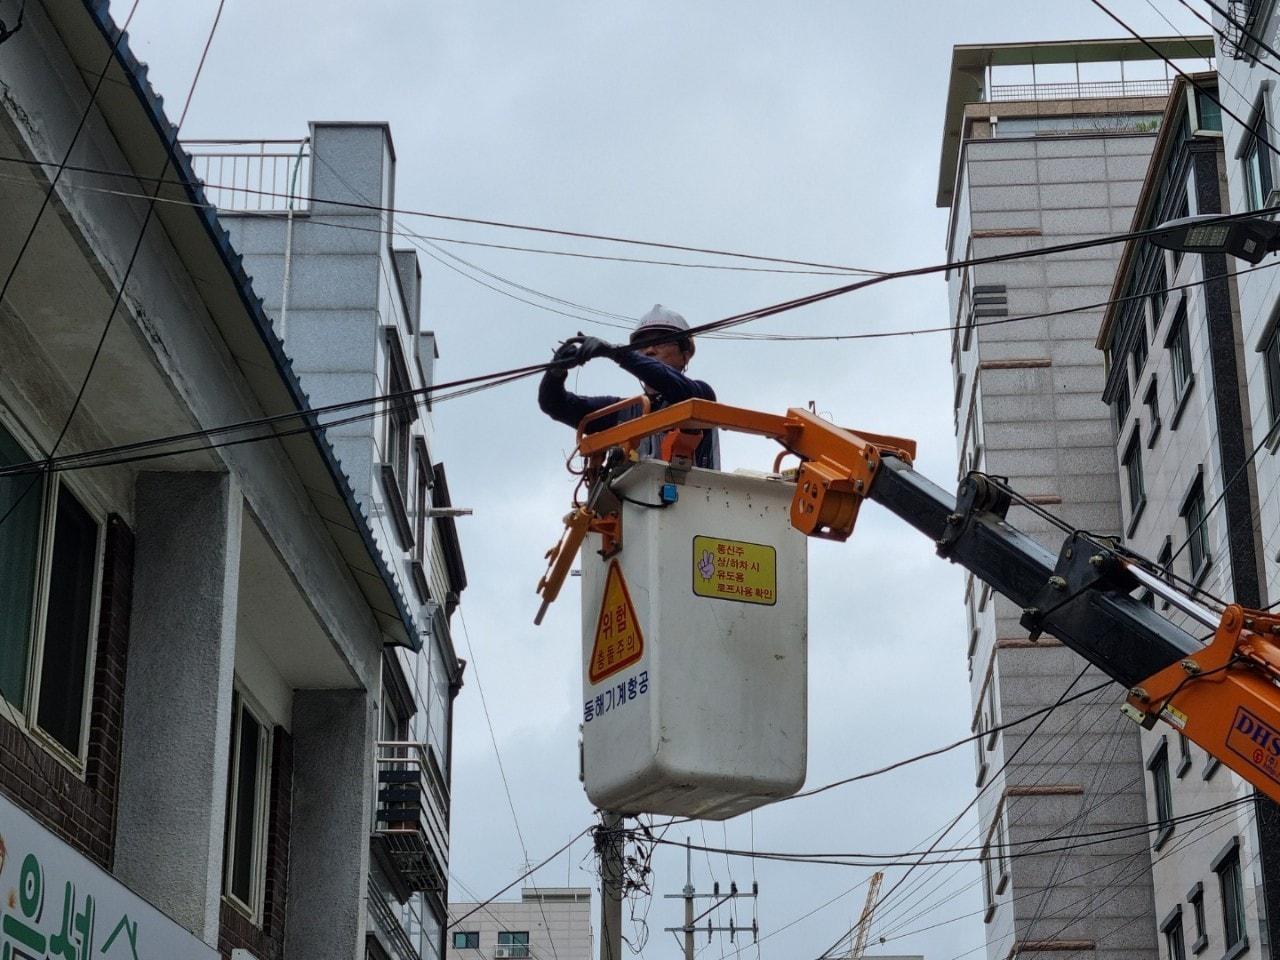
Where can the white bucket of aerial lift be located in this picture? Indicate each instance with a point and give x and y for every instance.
(695, 648)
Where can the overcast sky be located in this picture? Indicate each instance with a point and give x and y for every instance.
(808, 130)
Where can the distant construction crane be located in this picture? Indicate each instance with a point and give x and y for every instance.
(859, 945)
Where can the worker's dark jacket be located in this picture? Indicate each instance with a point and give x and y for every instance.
(670, 385)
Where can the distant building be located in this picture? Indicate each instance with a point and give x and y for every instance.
(546, 923)
(1027, 165)
(307, 217)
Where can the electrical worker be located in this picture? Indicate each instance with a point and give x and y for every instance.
(659, 366)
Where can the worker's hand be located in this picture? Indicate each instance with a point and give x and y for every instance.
(565, 357)
(592, 347)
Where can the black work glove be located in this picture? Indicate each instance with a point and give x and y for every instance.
(591, 347)
(566, 356)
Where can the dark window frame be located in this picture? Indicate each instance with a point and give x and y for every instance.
(1174, 941)
(1195, 897)
(470, 940)
(1178, 343)
(47, 613)
(1255, 157)
(1162, 789)
(255, 905)
(1235, 933)
(1192, 511)
(1135, 483)
(1151, 400)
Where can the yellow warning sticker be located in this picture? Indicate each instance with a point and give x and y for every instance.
(619, 643)
(1175, 717)
(735, 570)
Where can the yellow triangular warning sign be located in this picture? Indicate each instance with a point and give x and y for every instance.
(619, 643)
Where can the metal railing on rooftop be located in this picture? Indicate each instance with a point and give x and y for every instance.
(253, 175)
(1079, 90)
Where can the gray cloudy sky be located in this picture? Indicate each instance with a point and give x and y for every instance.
(808, 130)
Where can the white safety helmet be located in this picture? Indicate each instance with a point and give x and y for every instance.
(661, 318)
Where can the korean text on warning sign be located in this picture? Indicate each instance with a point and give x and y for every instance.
(735, 570)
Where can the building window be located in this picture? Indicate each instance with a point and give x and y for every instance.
(516, 942)
(50, 559)
(1227, 866)
(1208, 113)
(1184, 756)
(1179, 344)
(1158, 765)
(980, 745)
(400, 414)
(988, 885)
(1193, 516)
(1195, 897)
(244, 866)
(423, 477)
(1159, 297)
(1165, 559)
(1172, 929)
(1000, 851)
(466, 940)
(1122, 400)
(993, 720)
(1271, 364)
(1256, 158)
(1152, 403)
(1133, 471)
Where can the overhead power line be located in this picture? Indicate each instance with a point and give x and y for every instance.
(473, 221)
(1009, 850)
(1246, 32)
(528, 873)
(96, 457)
(1206, 92)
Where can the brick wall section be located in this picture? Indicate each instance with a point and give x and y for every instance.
(234, 928)
(83, 812)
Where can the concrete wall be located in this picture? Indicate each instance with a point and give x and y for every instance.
(1028, 407)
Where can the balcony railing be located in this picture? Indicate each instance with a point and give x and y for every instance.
(1081, 90)
(253, 175)
(411, 814)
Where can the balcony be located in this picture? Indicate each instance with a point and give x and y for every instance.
(253, 176)
(411, 828)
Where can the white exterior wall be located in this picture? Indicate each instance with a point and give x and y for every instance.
(1186, 445)
(1028, 408)
(1243, 86)
(549, 915)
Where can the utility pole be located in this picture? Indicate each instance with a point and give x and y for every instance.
(609, 840)
(689, 895)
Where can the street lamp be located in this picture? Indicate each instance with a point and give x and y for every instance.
(1250, 239)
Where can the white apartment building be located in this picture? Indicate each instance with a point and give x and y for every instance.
(307, 217)
(546, 923)
(1176, 386)
(1027, 165)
